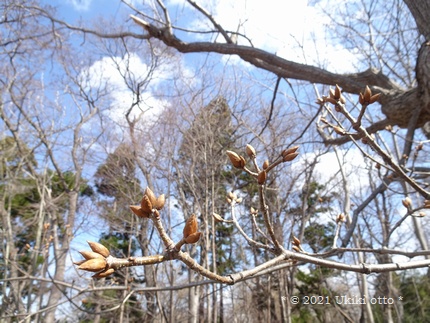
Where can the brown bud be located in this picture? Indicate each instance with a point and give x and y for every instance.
(146, 204)
(159, 203)
(231, 196)
(239, 200)
(337, 92)
(236, 160)
(250, 151)
(374, 98)
(266, 164)
(427, 204)
(261, 178)
(136, 209)
(407, 202)
(361, 99)
(342, 99)
(290, 157)
(254, 211)
(93, 265)
(339, 130)
(296, 241)
(420, 146)
(340, 218)
(331, 100)
(80, 262)
(296, 249)
(193, 238)
(104, 273)
(190, 226)
(367, 94)
(289, 151)
(332, 94)
(99, 248)
(90, 255)
(151, 196)
(217, 217)
(242, 162)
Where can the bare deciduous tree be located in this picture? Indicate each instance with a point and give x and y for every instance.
(288, 216)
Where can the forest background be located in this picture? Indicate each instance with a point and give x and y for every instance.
(291, 143)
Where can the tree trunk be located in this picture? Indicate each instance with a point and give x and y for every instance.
(61, 250)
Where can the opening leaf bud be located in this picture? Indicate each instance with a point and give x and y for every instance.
(250, 151)
(190, 226)
(99, 248)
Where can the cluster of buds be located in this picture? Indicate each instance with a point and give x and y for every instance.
(150, 204)
(95, 260)
(297, 244)
(232, 199)
(418, 148)
(427, 204)
(335, 96)
(260, 174)
(367, 98)
(289, 154)
(236, 160)
(340, 218)
(190, 230)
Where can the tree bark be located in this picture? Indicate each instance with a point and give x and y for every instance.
(396, 103)
(60, 251)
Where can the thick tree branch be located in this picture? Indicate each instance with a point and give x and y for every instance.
(421, 12)
(352, 83)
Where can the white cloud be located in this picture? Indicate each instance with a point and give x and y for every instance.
(110, 72)
(327, 170)
(80, 5)
(293, 30)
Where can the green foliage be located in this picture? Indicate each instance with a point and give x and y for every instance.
(208, 137)
(13, 159)
(312, 194)
(415, 291)
(118, 243)
(117, 176)
(304, 316)
(226, 258)
(312, 284)
(319, 236)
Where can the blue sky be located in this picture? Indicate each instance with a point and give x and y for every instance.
(289, 33)
(86, 9)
